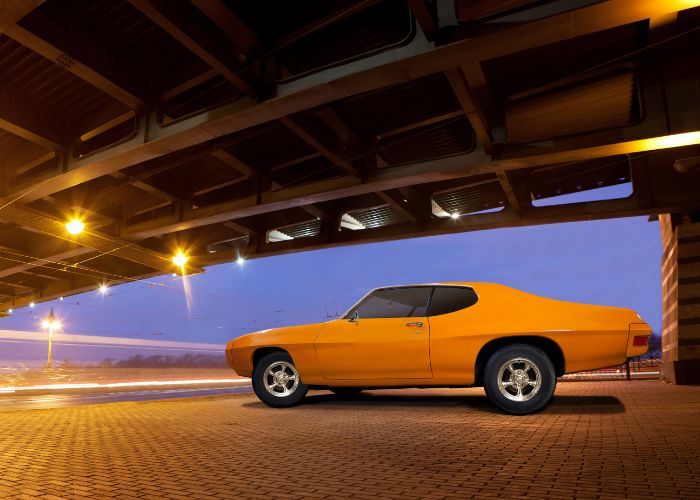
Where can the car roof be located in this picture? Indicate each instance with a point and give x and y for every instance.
(436, 283)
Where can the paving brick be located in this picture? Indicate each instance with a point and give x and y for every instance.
(596, 440)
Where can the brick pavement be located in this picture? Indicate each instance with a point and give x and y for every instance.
(597, 440)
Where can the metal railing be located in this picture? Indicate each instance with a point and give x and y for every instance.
(647, 366)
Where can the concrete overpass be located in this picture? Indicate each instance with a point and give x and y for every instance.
(230, 129)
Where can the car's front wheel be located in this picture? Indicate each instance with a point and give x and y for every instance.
(276, 381)
(519, 379)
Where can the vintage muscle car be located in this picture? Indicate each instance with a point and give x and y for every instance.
(514, 344)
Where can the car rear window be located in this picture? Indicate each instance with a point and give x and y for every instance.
(447, 299)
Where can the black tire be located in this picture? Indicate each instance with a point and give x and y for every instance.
(520, 395)
(278, 362)
(346, 392)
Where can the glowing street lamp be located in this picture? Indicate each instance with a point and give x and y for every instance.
(51, 324)
(75, 226)
(180, 259)
(103, 289)
(240, 261)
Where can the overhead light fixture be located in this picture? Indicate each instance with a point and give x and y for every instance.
(31, 305)
(240, 261)
(103, 289)
(10, 311)
(455, 215)
(75, 226)
(180, 259)
(672, 141)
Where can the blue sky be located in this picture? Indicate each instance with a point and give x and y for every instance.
(612, 262)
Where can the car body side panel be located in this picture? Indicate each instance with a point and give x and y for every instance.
(297, 340)
(375, 349)
(589, 336)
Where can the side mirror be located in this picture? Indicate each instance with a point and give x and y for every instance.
(355, 317)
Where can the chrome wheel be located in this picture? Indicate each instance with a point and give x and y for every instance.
(519, 379)
(281, 379)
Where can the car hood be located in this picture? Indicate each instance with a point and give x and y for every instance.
(281, 335)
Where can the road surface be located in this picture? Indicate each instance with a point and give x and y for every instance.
(57, 400)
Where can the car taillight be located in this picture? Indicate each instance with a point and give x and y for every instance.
(640, 340)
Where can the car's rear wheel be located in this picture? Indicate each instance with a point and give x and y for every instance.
(519, 379)
(346, 392)
(276, 381)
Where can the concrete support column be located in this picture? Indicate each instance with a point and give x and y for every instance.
(680, 338)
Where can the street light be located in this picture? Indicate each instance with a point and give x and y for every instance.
(103, 289)
(240, 261)
(51, 324)
(75, 226)
(180, 259)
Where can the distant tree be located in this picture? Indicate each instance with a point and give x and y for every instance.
(106, 363)
(187, 360)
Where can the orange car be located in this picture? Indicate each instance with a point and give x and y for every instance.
(512, 343)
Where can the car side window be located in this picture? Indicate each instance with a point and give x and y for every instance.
(394, 303)
(447, 299)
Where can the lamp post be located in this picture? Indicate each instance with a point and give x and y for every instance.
(50, 324)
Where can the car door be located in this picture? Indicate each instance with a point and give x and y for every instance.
(385, 336)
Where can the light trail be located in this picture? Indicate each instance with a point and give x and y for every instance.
(122, 385)
(94, 340)
(188, 294)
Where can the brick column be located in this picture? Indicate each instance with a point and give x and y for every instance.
(680, 275)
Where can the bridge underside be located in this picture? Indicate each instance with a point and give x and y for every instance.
(247, 129)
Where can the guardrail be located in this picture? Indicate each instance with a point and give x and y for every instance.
(647, 366)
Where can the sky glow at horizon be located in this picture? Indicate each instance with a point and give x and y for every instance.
(612, 262)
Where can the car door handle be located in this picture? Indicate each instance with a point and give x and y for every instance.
(419, 324)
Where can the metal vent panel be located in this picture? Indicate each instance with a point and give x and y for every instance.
(231, 244)
(575, 177)
(305, 229)
(380, 27)
(208, 94)
(384, 215)
(433, 141)
(587, 107)
(374, 113)
(469, 199)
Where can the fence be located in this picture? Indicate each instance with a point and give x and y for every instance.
(647, 366)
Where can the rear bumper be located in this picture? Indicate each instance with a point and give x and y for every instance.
(638, 339)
